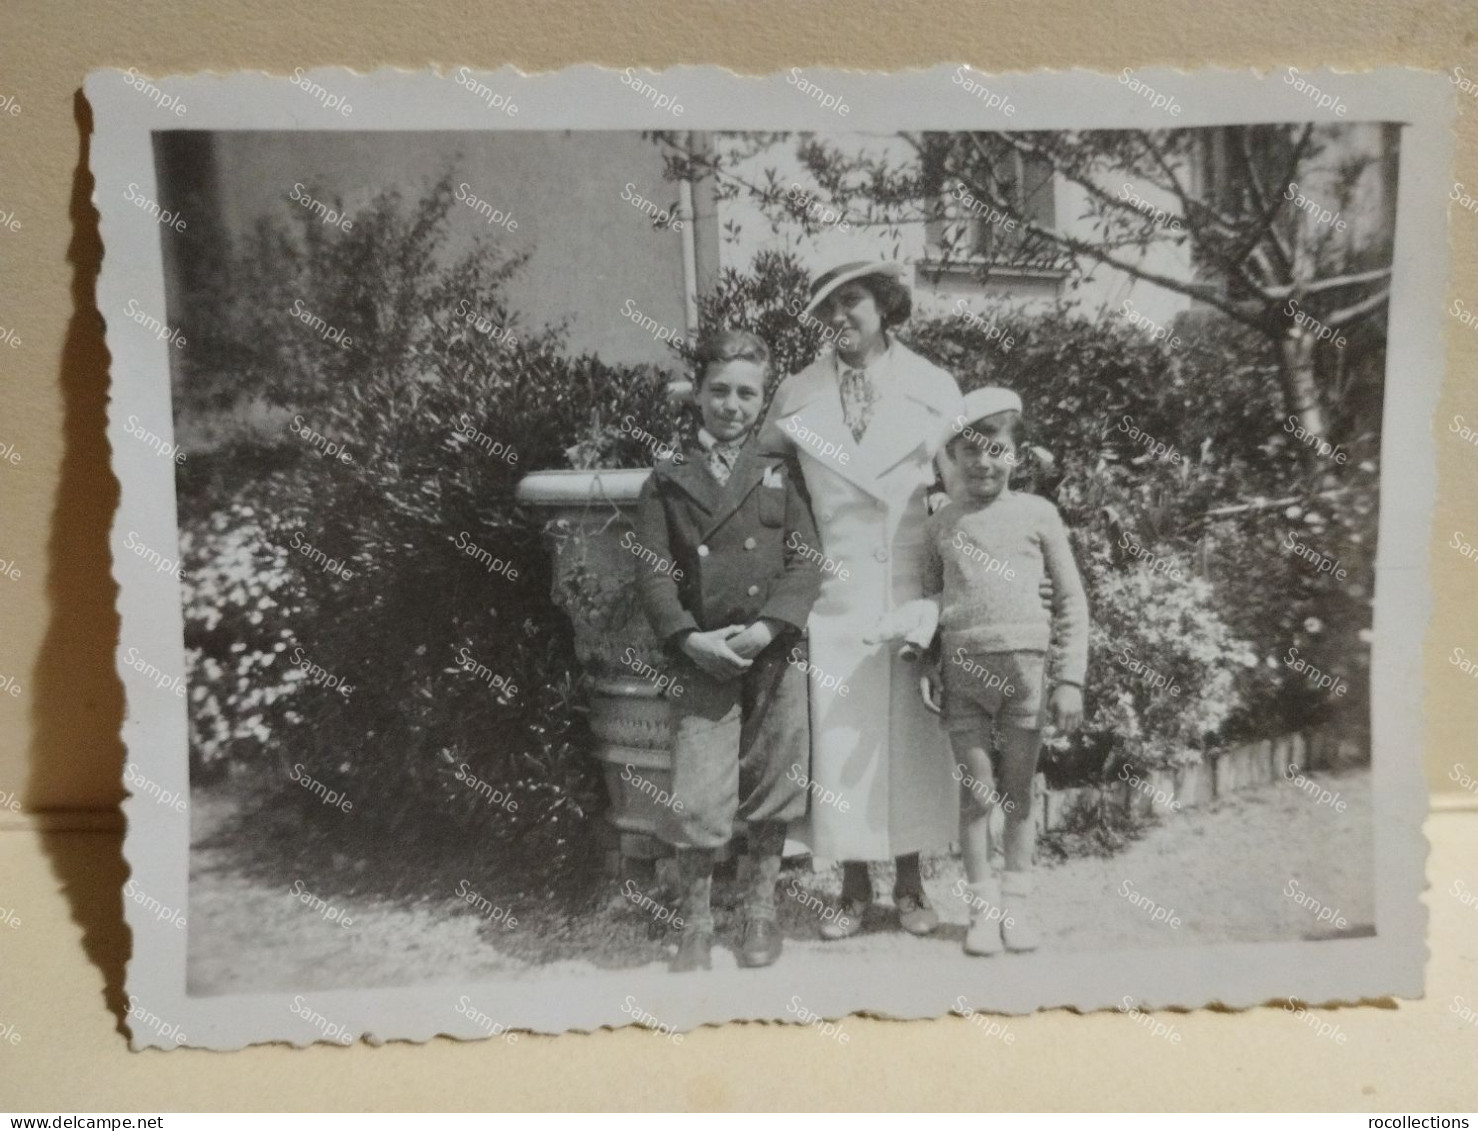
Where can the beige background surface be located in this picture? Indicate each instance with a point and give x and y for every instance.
(59, 748)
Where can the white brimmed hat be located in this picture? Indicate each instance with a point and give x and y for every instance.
(837, 276)
(988, 401)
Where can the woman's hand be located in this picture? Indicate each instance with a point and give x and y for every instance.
(913, 622)
(1067, 707)
(1045, 591)
(711, 652)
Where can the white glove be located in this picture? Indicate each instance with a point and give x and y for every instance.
(914, 623)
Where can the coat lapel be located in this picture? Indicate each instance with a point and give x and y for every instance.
(905, 417)
(693, 477)
(811, 417)
(749, 471)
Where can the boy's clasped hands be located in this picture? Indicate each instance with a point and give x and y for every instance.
(726, 652)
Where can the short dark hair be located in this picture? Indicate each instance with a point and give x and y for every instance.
(894, 300)
(719, 346)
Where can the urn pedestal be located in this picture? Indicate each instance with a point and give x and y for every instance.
(587, 515)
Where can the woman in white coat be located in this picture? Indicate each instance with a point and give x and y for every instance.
(865, 421)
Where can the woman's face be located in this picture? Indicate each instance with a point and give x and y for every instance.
(852, 312)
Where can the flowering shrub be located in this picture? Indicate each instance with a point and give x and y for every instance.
(238, 597)
(1164, 674)
(1096, 395)
(463, 675)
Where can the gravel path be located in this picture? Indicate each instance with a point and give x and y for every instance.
(1243, 870)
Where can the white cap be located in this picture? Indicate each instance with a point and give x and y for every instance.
(988, 401)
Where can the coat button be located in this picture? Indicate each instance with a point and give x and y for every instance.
(754, 590)
(750, 543)
(703, 551)
(881, 554)
(827, 516)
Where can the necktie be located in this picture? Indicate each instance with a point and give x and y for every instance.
(721, 460)
(859, 394)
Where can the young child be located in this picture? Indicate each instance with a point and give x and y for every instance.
(728, 592)
(985, 557)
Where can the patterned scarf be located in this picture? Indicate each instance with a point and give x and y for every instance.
(721, 455)
(859, 394)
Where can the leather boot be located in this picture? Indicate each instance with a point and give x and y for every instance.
(760, 942)
(1017, 929)
(695, 883)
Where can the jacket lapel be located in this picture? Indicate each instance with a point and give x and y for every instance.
(749, 471)
(693, 477)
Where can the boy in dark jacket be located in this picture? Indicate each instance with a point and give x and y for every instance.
(729, 574)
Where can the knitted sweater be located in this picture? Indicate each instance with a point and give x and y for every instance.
(985, 563)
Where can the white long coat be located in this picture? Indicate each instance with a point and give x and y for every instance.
(876, 747)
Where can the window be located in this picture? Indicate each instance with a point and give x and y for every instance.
(969, 234)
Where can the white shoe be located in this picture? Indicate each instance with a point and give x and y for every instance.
(983, 939)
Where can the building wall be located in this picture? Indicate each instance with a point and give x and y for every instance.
(590, 249)
(1103, 289)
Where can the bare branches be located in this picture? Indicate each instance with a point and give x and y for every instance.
(1355, 311)
(1244, 263)
(1203, 292)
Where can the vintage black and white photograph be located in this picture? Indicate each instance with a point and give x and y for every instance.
(675, 573)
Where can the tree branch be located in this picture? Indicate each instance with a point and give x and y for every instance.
(1266, 225)
(1358, 310)
(1319, 286)
(1205, 292)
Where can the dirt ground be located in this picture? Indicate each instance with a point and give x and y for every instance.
(1241, 870)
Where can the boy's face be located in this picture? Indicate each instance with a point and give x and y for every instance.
(986, 456)
(729, 396)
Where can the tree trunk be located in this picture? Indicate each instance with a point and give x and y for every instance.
(1300, 391)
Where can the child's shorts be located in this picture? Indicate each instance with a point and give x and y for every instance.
(983, 686)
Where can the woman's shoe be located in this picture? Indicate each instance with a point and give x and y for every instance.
(915, 914)
(848, 921)
(1017, 930)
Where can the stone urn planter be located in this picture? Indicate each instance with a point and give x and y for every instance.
(586, 516)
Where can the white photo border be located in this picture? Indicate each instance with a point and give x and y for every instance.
(155, 732)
